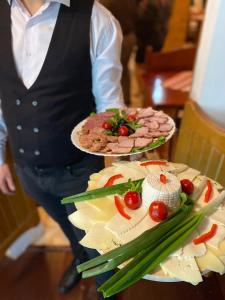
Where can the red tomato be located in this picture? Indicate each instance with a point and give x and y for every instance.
(132, 200)
(131, 118)
(123, 130)
(158, 211)
(106, 125)
(187, 186)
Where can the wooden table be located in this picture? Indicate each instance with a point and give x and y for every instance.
(163, 98)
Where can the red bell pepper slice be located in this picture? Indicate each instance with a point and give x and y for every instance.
(163, 178)
(120, 208)
(206, 236)
(112, 179)
(208, 193)
(153, 163)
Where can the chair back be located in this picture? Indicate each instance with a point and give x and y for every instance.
(174, 60)
(201, 143)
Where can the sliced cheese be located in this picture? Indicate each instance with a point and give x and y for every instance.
(130, 172)
(178, 168)
(201, 200)
(119, 225)
(210, 262)
(190, 250)
(87, 217)
(190, 174)
(205, 227)
(145, 224)
(99, 238)
(185, 270)
(218, 216)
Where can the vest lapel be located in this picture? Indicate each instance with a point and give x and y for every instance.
(55, 51)
(6, 54)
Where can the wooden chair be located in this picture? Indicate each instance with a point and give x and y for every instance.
(171, 61)
(201, 143)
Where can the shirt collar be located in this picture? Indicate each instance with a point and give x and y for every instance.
(65, 2)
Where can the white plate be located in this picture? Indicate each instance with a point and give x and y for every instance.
(76, 142)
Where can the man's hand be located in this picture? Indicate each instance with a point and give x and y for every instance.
(7, 185)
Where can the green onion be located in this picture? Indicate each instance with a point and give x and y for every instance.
(148, 237)
(143, 264)
(120, 189)
(161, 140)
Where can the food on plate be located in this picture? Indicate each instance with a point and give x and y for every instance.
(158, 211)
(133, 200)
(169, 192)
(125, 131)
(185, 238)
(187, 186)
(208, 192)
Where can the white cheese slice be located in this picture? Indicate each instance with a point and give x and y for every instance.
(99, 238)
(119, 225)
(87, 217)
(218, 216)
(153, 189)
(178, 168)
(205, 227)
(190, 174)
(185, 270)
(145, 224)
(201, 201)
(130, 172)
(191, 250)
(210, 262)
(220, 252)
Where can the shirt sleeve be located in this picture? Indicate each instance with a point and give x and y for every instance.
(106, 41)
(3, 137)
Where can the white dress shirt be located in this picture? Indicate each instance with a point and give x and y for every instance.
(31, 36)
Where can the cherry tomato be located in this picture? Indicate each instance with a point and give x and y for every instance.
(123, 130)
(158, 211)
(106, 125)
(131, 117)
(187, 186)
(132, 200)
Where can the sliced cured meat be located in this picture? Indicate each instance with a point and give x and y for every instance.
(97, 120)
(155, 134)
(145, 113)
(122, 150)
(112, 146)
(140, 132)
(142, 142)
(126, 143)
(153, 125)
(165, 127)
(160, 120)
(141, 122)
(111, 138)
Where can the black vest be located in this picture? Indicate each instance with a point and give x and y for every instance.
(40, 119)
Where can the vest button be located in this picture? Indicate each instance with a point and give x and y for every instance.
(36, 152)
(19, 127)
(21, 150)
(35, 130)
(18, 102)
(34, 103)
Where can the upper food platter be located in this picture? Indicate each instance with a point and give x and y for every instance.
(123, 132)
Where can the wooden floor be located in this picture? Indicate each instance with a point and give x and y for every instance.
(35, 275)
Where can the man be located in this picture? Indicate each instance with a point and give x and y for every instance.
(58, 60)
(125, 13)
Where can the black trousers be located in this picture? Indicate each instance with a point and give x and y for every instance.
(48, 186)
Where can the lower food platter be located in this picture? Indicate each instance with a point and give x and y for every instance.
(110, 224)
